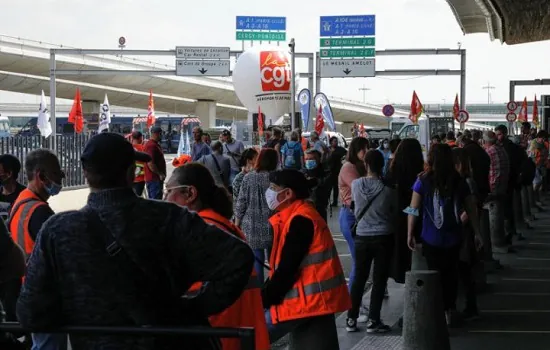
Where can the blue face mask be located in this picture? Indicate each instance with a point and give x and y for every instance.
(53, 189)
(311, 164)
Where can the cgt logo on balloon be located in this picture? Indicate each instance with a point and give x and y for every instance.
(274, 71)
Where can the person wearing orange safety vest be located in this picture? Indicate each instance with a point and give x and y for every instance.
(29, 212)
(139, 179)
(181, 160)
(193, 186)
(306, 287)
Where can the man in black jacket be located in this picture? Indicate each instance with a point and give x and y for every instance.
(320, 195)
(517, 156)
(128, 261)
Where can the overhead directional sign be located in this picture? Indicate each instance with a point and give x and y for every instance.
(202, 52)
(346, 42)
(261, 36)
(348, 68)
(261, 23)
(332, 53)
(347, 25)
(190, 68)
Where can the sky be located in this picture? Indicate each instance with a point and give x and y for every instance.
(400, 24)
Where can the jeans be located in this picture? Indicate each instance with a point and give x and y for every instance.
(369, 249)
(47, 341)
(347, 220)
(154, 189)
(318, 332)
(496, 222)
(509, 216)
(232, 175)
(259, 266)
(139, 187)
(444, 261)
(525, 205)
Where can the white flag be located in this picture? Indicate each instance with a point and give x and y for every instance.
(181, 145)
(187, 144)
(105, 116)
(43, 122)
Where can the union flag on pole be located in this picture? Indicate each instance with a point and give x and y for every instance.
(536, 112)
(456, 108)
(416, 108)
(75, 116)
(151, 110)
(522, 116)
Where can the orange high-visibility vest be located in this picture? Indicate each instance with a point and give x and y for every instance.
(20, 217)
(248, 310)
(321, 285)
(305, 144)
(181, 160)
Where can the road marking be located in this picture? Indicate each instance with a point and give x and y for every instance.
(526, 279)
(523, 294)
(344, 254)
(532, 268)
(339, 239)
(512, 332)
(539, 243)
(533, 259)
(514, 311)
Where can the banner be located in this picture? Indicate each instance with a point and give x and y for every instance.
(304, 98)
(43, 122)
(105, 116)
(321, 101)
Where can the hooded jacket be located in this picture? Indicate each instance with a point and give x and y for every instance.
(381, 215)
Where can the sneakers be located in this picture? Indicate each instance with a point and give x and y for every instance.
(351, 325)
(377, 327)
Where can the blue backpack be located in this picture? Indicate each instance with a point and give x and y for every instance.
(291, 155)
(444, 213)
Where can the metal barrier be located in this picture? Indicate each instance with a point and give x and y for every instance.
(246, 335)
(69, 149)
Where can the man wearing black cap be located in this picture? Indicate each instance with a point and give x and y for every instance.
(155, 171)
(125, 260)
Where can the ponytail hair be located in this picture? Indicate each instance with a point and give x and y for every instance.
(211, 196)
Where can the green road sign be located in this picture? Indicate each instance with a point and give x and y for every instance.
(338, 53)
(261, 36)
(347, 42)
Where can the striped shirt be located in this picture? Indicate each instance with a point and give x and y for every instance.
(499, 171)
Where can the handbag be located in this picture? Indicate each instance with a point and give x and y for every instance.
(363, 212)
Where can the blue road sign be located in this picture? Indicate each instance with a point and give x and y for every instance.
(347, 25)
(388, 110)
(261, 23)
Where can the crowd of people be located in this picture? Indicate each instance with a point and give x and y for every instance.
(198, 253)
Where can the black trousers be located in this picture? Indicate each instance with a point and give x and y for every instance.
(368, 249)
(445, 261)
(466, 273)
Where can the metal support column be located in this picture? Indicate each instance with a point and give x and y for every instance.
(53, 93)
(292, 46)
(462, 83)
(317, 73)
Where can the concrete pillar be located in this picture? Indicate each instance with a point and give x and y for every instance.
(424, 325)
(205, 110)
(418, 260)
(90, 110)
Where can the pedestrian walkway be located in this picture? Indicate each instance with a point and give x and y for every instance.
(514, 307)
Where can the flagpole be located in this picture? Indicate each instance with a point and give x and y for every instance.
(53, 93)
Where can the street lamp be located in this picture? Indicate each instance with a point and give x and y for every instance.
(364, 89)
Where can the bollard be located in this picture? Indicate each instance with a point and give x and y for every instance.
(418, 260)
(424, 325)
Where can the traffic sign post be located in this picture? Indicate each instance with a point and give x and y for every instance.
(348, 43)
(512, 106)
(202, 61)
(511, 117)
(388, 110)
(462, 118)
(260, 28)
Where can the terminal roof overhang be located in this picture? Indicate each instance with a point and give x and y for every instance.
(29, 67)
(509, 21)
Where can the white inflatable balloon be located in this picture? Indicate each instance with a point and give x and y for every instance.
(261, 78)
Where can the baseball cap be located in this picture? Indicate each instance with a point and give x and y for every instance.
(293, 179)
(156, 129)
(226, 132)
(110, 152)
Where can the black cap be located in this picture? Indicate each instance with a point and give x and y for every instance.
(226, 132)
(110, 152)
(156, 130)
(293, 179)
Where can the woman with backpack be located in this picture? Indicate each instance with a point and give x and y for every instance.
(292, 155)
(440, 193)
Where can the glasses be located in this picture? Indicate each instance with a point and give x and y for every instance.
(168, 190)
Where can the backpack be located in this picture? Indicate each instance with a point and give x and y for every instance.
(443, 213)
(291, 155)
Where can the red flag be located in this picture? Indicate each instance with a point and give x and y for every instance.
(536, 112)
(75, 116)
(416, 108)
(151, 110)
(319, 121)
(456, 108)
(522, 116)
(260, 122)
(362, 132)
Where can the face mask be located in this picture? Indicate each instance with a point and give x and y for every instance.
(311, 164)
(53, 189)
(271, 199)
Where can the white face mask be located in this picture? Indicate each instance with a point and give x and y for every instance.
(271, 199)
